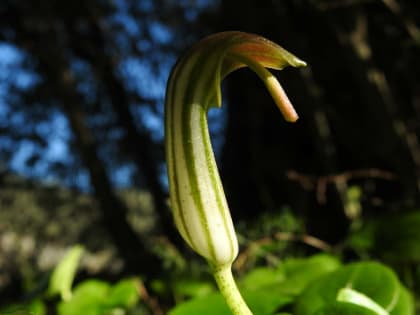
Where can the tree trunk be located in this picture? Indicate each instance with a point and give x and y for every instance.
(135, 254)
(136, 142)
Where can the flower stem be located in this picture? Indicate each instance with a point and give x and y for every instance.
(227, 286)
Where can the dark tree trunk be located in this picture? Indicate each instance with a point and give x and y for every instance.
(136, 141)
(49, 53)
(136, 255)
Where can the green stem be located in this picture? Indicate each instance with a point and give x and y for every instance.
(227, 286)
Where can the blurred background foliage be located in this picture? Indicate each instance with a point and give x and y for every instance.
(81, 138)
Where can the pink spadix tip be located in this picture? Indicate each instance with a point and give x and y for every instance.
(281, 99)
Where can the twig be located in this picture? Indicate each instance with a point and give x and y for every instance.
(340, 4)
(309, 240)
(243, 257)
(304, 238)
(319, 184)
(409, 24)
(151, 302)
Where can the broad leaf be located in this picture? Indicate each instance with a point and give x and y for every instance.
(124, 294)
(262, 302)
(371, 279)
(88, 298)
(193, 288)
(95, 297)
(266, 289)
(299, 272)
(292, 276)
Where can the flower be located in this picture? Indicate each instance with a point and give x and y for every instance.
(197, 198)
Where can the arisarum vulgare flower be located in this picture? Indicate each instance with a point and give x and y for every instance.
(197, 199)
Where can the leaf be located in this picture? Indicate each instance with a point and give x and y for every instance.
(88, 298)
(265, 301)
(15, 310)
(124, 294)
(263, 276)
(208, 305)
(292, 276)
(193, 288)
(64, 273)
(405, 304)
(374, 280)
(397, 238)
(299, 272)
(287, 281)
(337, 308)
(266, 289)
(262, 302)
(95, 297)
(35, 307)
(351, 296)
(393, 238)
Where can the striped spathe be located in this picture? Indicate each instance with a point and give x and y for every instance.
(197, 198)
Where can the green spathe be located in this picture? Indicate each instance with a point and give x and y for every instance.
(196, 194)
(197, 198)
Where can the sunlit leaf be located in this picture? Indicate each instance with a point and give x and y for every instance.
(373, 280)
(95, 297)
(266, 289)
(88, 298)
(292, 276)
(64, 273)
(263, 276)
(299, 272)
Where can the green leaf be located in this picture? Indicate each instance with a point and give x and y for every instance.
(337, 308)
(35, 307)
(263, 276)
(394, 238)
(405, 304)
(397, 238)
(15, 309)
(193, 288)
(266, 289)
(349, 295)
(299, 272)
(373, 280)
(64, 273)
(287, 281)
(124, 294)
(263, 302)
(88, 298)
(95, 297)
(208, 305)
(292, 276)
